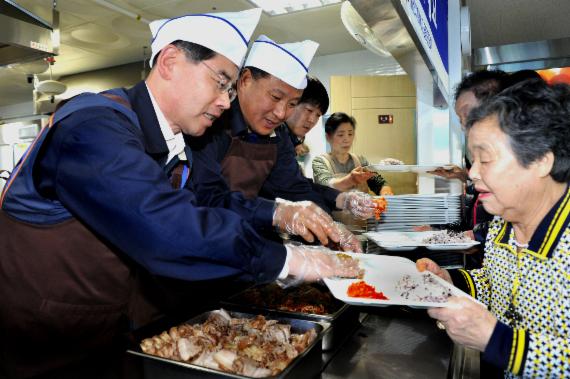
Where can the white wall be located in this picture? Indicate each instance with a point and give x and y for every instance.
(360, 62)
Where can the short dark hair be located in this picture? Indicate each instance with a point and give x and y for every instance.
(194, 52)
(520, 76)
(536, 119)
(483, 84)
(337, 118)
(256, 73)
(315, 94)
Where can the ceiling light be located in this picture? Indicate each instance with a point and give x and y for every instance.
(278, 7)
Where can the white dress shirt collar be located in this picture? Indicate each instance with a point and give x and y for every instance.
(175, 142)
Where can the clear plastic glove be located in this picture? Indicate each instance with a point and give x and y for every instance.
(358, 203)
(312, 263)
(347, 241)
(305, 219)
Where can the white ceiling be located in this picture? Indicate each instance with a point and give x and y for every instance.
(95, 37)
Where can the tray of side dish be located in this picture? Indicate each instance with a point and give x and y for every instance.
(308, 301)
(392, 280)
(228, 344)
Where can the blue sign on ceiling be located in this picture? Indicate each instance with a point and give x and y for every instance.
(436, 12)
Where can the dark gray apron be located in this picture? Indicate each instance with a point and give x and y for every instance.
(247, 165)
(69, 294)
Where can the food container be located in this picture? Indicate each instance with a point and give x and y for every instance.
(343, 320)
(305, 365)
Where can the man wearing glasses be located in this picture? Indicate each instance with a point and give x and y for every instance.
(98, 203)
(248, 152)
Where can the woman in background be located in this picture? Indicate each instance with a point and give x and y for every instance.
(341, 169)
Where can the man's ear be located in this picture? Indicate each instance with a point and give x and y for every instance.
(166, 61)
(245, 79)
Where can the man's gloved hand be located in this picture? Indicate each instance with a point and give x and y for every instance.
(305, 219)
(358, 203)
(348, 241)
(312, 263)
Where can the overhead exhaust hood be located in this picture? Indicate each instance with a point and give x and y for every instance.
(25, 37)
(528, 55)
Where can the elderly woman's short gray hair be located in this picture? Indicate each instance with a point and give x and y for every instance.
(536, 118)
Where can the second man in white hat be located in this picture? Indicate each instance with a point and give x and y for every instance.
(251, 146)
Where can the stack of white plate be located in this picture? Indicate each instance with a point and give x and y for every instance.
(403, 212)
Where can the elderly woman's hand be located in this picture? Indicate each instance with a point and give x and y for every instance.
(466, 322)
(424, 264)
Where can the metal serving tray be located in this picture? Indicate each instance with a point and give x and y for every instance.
(306, 365)
(342, 321)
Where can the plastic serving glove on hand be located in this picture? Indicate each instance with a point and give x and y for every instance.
(311, 263)
(348, 241)
(305, 219)
(358, 203)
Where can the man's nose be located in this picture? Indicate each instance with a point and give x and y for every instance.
(280, 110)
(224, 100)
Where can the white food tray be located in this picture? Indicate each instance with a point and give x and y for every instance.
(384, 272)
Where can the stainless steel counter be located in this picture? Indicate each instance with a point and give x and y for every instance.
(393, 343)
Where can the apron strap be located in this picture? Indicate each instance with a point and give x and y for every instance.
(328, 162)
(356, 160)
(180, 174)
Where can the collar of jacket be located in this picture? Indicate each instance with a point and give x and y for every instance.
(547, 234)
(294, 139)
(154, 142)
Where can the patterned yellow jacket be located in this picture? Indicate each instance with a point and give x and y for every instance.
(529, 293)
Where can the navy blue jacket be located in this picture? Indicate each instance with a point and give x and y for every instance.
(285, 180)
(109, 174)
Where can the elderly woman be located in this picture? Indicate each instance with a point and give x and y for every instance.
(341, 169)
(521, 167)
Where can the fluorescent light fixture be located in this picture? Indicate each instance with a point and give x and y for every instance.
(278, 7)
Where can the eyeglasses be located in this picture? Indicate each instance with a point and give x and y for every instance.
(223, 83)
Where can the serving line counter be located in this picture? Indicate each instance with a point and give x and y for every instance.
(391, 342)
(381, 342)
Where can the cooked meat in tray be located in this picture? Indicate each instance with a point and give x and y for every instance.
(235, 344)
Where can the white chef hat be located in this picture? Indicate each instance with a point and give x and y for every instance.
(288, 61)
(225, 33)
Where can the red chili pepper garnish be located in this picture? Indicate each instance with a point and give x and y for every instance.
(363, 289)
